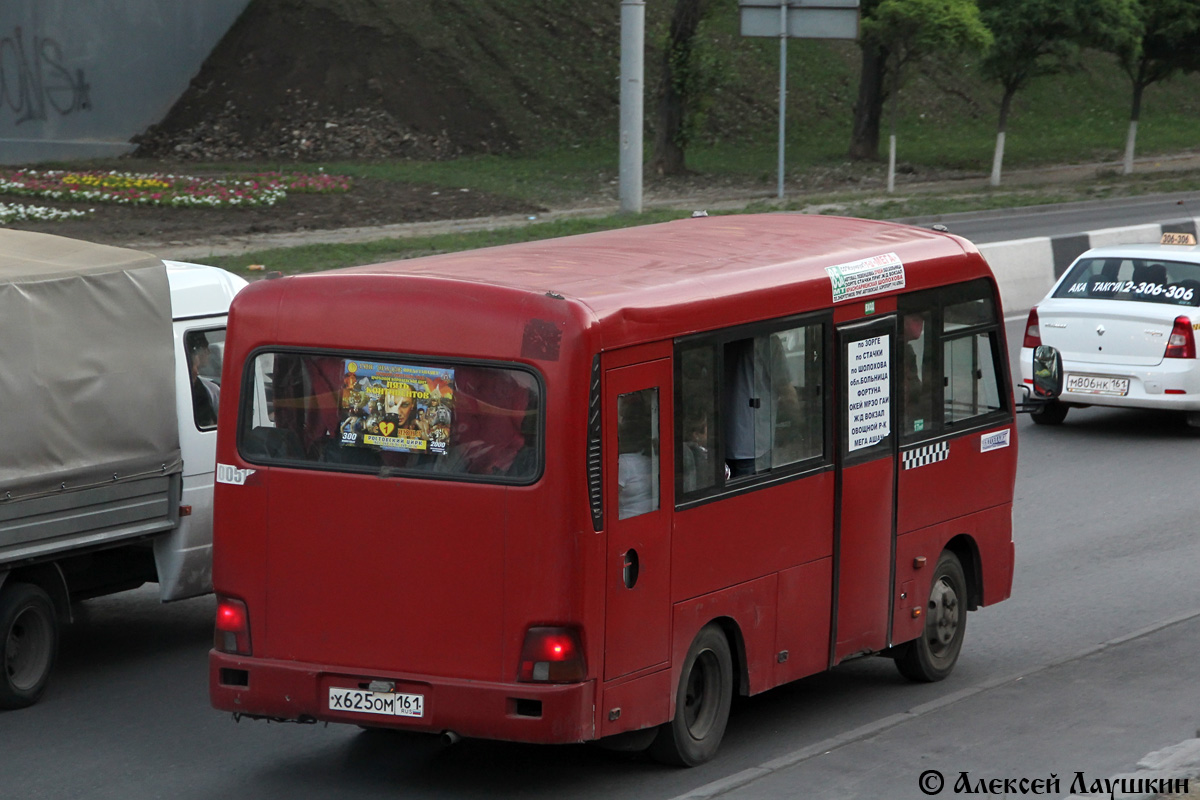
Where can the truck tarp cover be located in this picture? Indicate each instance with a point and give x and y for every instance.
(87, 365)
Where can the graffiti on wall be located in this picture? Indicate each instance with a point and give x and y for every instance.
(35, 80)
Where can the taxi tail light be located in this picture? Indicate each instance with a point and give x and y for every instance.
(232, 633)
(552, 655)
(1182, 343)
(1033, 332)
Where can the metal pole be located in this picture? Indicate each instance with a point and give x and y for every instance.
(633, 34)
(783, 37)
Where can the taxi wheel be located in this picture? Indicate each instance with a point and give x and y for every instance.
(932, 657)
(701, 703)
(28, 643)
(1052, 413)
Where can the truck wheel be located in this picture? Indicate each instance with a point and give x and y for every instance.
(1052, 413)
(28, 644)
(932, 657)
(701, 703)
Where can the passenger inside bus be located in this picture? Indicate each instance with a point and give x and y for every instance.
(697, 448)
(762, 408)
(918, 389)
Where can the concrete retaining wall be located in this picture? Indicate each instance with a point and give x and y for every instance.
(78, 78)
(1027, 268)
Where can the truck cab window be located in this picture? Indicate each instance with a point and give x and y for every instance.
(204, 349)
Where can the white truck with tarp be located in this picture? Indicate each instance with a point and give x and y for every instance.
(109, 384)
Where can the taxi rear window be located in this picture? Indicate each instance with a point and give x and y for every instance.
(1140, 280)
(396, 415)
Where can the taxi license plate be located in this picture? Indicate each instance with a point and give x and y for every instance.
(364, 702)
(1098, 384)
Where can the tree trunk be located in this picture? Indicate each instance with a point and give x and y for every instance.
(670, 137)
(868, 109)
(1134, 115)
(1001, 128)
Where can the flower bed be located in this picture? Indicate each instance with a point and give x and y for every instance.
(19, 213)
(186, 191)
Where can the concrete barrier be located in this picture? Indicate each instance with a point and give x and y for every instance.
(1026, 268)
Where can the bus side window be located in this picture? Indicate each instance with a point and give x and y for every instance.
(696, 450)
(919, 383)
(972, 386)
(766, 423)
(637, 448)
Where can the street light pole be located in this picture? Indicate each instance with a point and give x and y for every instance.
(633, 34)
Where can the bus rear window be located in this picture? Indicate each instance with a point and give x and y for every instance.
(395, 416)
(1143, 280)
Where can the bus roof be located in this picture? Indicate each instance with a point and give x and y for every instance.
(629, 285)
(689, 259)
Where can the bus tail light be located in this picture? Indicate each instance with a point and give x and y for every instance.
(1182, 343)
(1033, 332)
(552, 655)
(233, 627)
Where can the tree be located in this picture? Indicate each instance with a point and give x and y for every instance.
(908, 30)
(1169, 43)
(681, 91)
(1034, 38)
(872, 92)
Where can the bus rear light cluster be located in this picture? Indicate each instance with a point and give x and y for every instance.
(233, 627)
(1182, 343)
(552, 655)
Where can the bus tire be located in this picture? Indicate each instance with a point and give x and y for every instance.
(1052, 413)
(932, 656)
(701, 703)
(28, 644)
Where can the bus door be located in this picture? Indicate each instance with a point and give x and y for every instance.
(637, 478)
(864, 540)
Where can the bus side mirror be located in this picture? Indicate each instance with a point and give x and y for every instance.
(1047, 373)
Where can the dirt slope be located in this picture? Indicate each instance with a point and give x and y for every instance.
(328, 79)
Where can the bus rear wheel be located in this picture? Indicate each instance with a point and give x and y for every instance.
(28, 643)
(701, 703)
(932, 657)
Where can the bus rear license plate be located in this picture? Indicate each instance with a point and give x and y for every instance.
(389, 703)
(1098, 384)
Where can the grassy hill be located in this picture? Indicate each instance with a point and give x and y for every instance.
(332, 80)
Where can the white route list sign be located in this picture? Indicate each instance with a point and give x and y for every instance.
(869, 276)
(869, 395)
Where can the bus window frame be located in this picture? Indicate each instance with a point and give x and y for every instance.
(935, 302)
(248, 396)
(718, 339)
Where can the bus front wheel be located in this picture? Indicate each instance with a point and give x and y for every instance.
(28, 642)
(701, 703)
(932, 657)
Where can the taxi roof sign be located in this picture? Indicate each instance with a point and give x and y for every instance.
(1178, 238)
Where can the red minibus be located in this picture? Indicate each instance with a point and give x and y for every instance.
(589, 488)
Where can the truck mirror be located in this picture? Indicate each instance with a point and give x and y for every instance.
(1047, 372)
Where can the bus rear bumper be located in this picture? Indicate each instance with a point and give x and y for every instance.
(299, 692)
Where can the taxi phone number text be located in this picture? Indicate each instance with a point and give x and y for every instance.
(1156, 289)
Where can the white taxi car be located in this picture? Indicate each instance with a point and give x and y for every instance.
(1124, 319)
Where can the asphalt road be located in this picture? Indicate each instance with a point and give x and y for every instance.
(983, 227)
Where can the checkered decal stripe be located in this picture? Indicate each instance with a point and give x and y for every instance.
(929, 454)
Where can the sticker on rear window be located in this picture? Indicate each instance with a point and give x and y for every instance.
(397, 407)
(869, 276)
